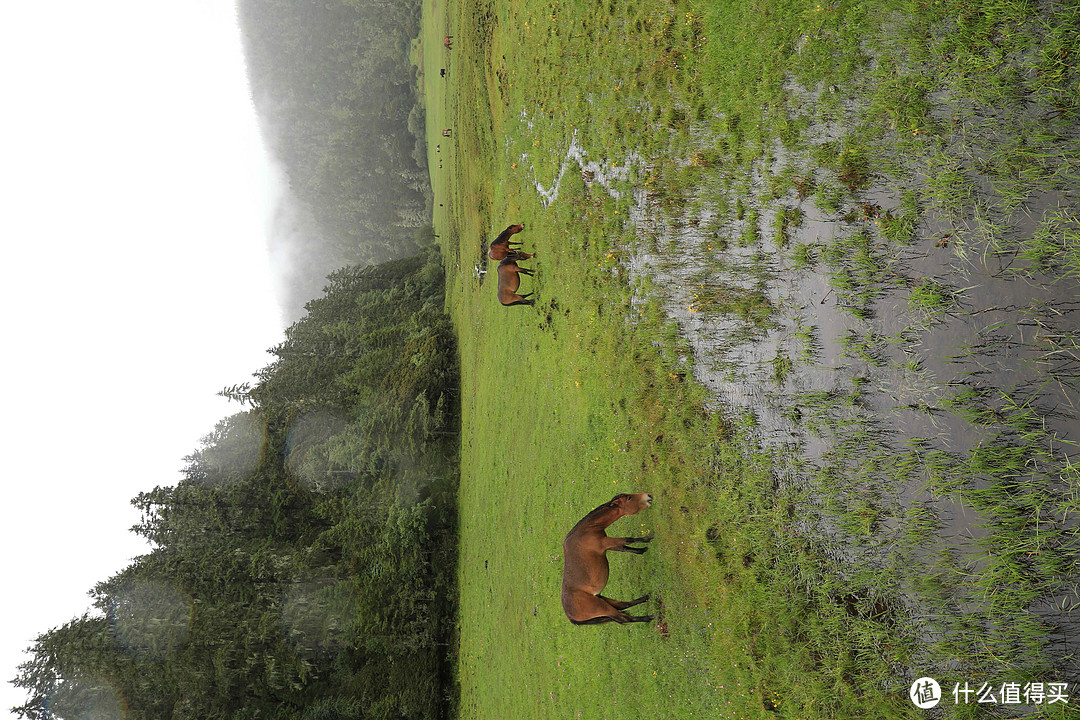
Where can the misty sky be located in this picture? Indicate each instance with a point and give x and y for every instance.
(135, 203)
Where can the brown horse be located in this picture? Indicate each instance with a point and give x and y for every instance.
(585, 565)
(500, 246)
(509, 282)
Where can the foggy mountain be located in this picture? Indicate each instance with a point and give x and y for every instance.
(336, 98)
(300, 258)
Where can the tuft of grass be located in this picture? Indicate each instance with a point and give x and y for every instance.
(804, 255)
(1054, 243)
(786, 219)
(782, 367)
(898, 227)
(829, 198)
(930, 296)
(751, 306)
(751, 232)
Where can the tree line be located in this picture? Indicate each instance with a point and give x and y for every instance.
(303, 567)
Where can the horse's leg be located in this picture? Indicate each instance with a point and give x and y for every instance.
(622, 618)
(622, 544)
(619, 616)
(624, 604)
(627, 548)
(527, 272)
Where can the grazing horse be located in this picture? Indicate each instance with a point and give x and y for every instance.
(500, 246)
(585, 565)
(447, 41)
(509, 282)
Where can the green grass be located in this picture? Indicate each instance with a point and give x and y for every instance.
(591, 392)
(750, 306)
(932, 298)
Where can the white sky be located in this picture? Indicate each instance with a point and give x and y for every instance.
(134, 205)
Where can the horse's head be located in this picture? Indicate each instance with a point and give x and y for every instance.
(630, 504)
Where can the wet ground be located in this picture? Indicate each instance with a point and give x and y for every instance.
(915, 369)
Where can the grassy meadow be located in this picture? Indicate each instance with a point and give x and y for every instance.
(683, 166)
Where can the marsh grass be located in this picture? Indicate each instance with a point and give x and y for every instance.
(782, 367)
(751, 306)
(774, 597)
(931, 297)
(786, 220)
(1053, 245)
(804, 255)
(829, 198)
(751, 232)
(808, 341)
(898, 226)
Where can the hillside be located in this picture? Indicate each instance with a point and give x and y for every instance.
(336, 97)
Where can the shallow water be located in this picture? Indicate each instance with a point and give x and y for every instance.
(854, 378)
(602, 173)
